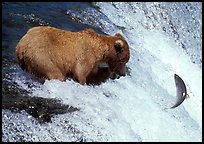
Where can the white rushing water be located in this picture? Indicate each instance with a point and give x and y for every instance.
(135, 107)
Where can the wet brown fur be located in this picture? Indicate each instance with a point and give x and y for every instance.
(51, 53)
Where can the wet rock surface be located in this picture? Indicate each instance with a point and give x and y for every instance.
(43, 109)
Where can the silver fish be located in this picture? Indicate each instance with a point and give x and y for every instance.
(181, 92)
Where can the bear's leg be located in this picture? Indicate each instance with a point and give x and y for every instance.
(82, 80)
(81, 77)
(81, 72)
(56, 75)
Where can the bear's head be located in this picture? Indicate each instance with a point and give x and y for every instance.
(121, 55)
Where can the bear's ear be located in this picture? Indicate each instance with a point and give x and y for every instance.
(119, 35)
(119, 46)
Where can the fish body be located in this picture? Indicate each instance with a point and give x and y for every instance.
(181, 91)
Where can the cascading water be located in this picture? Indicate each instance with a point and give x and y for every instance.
(164, 38)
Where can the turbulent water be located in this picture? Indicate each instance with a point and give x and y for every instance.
(164, 39)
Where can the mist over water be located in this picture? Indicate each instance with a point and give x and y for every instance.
(164, 38)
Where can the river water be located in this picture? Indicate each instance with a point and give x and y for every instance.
(164, 39)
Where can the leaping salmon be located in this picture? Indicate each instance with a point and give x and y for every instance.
(181, 92)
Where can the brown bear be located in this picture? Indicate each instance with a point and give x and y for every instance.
(51, 53)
